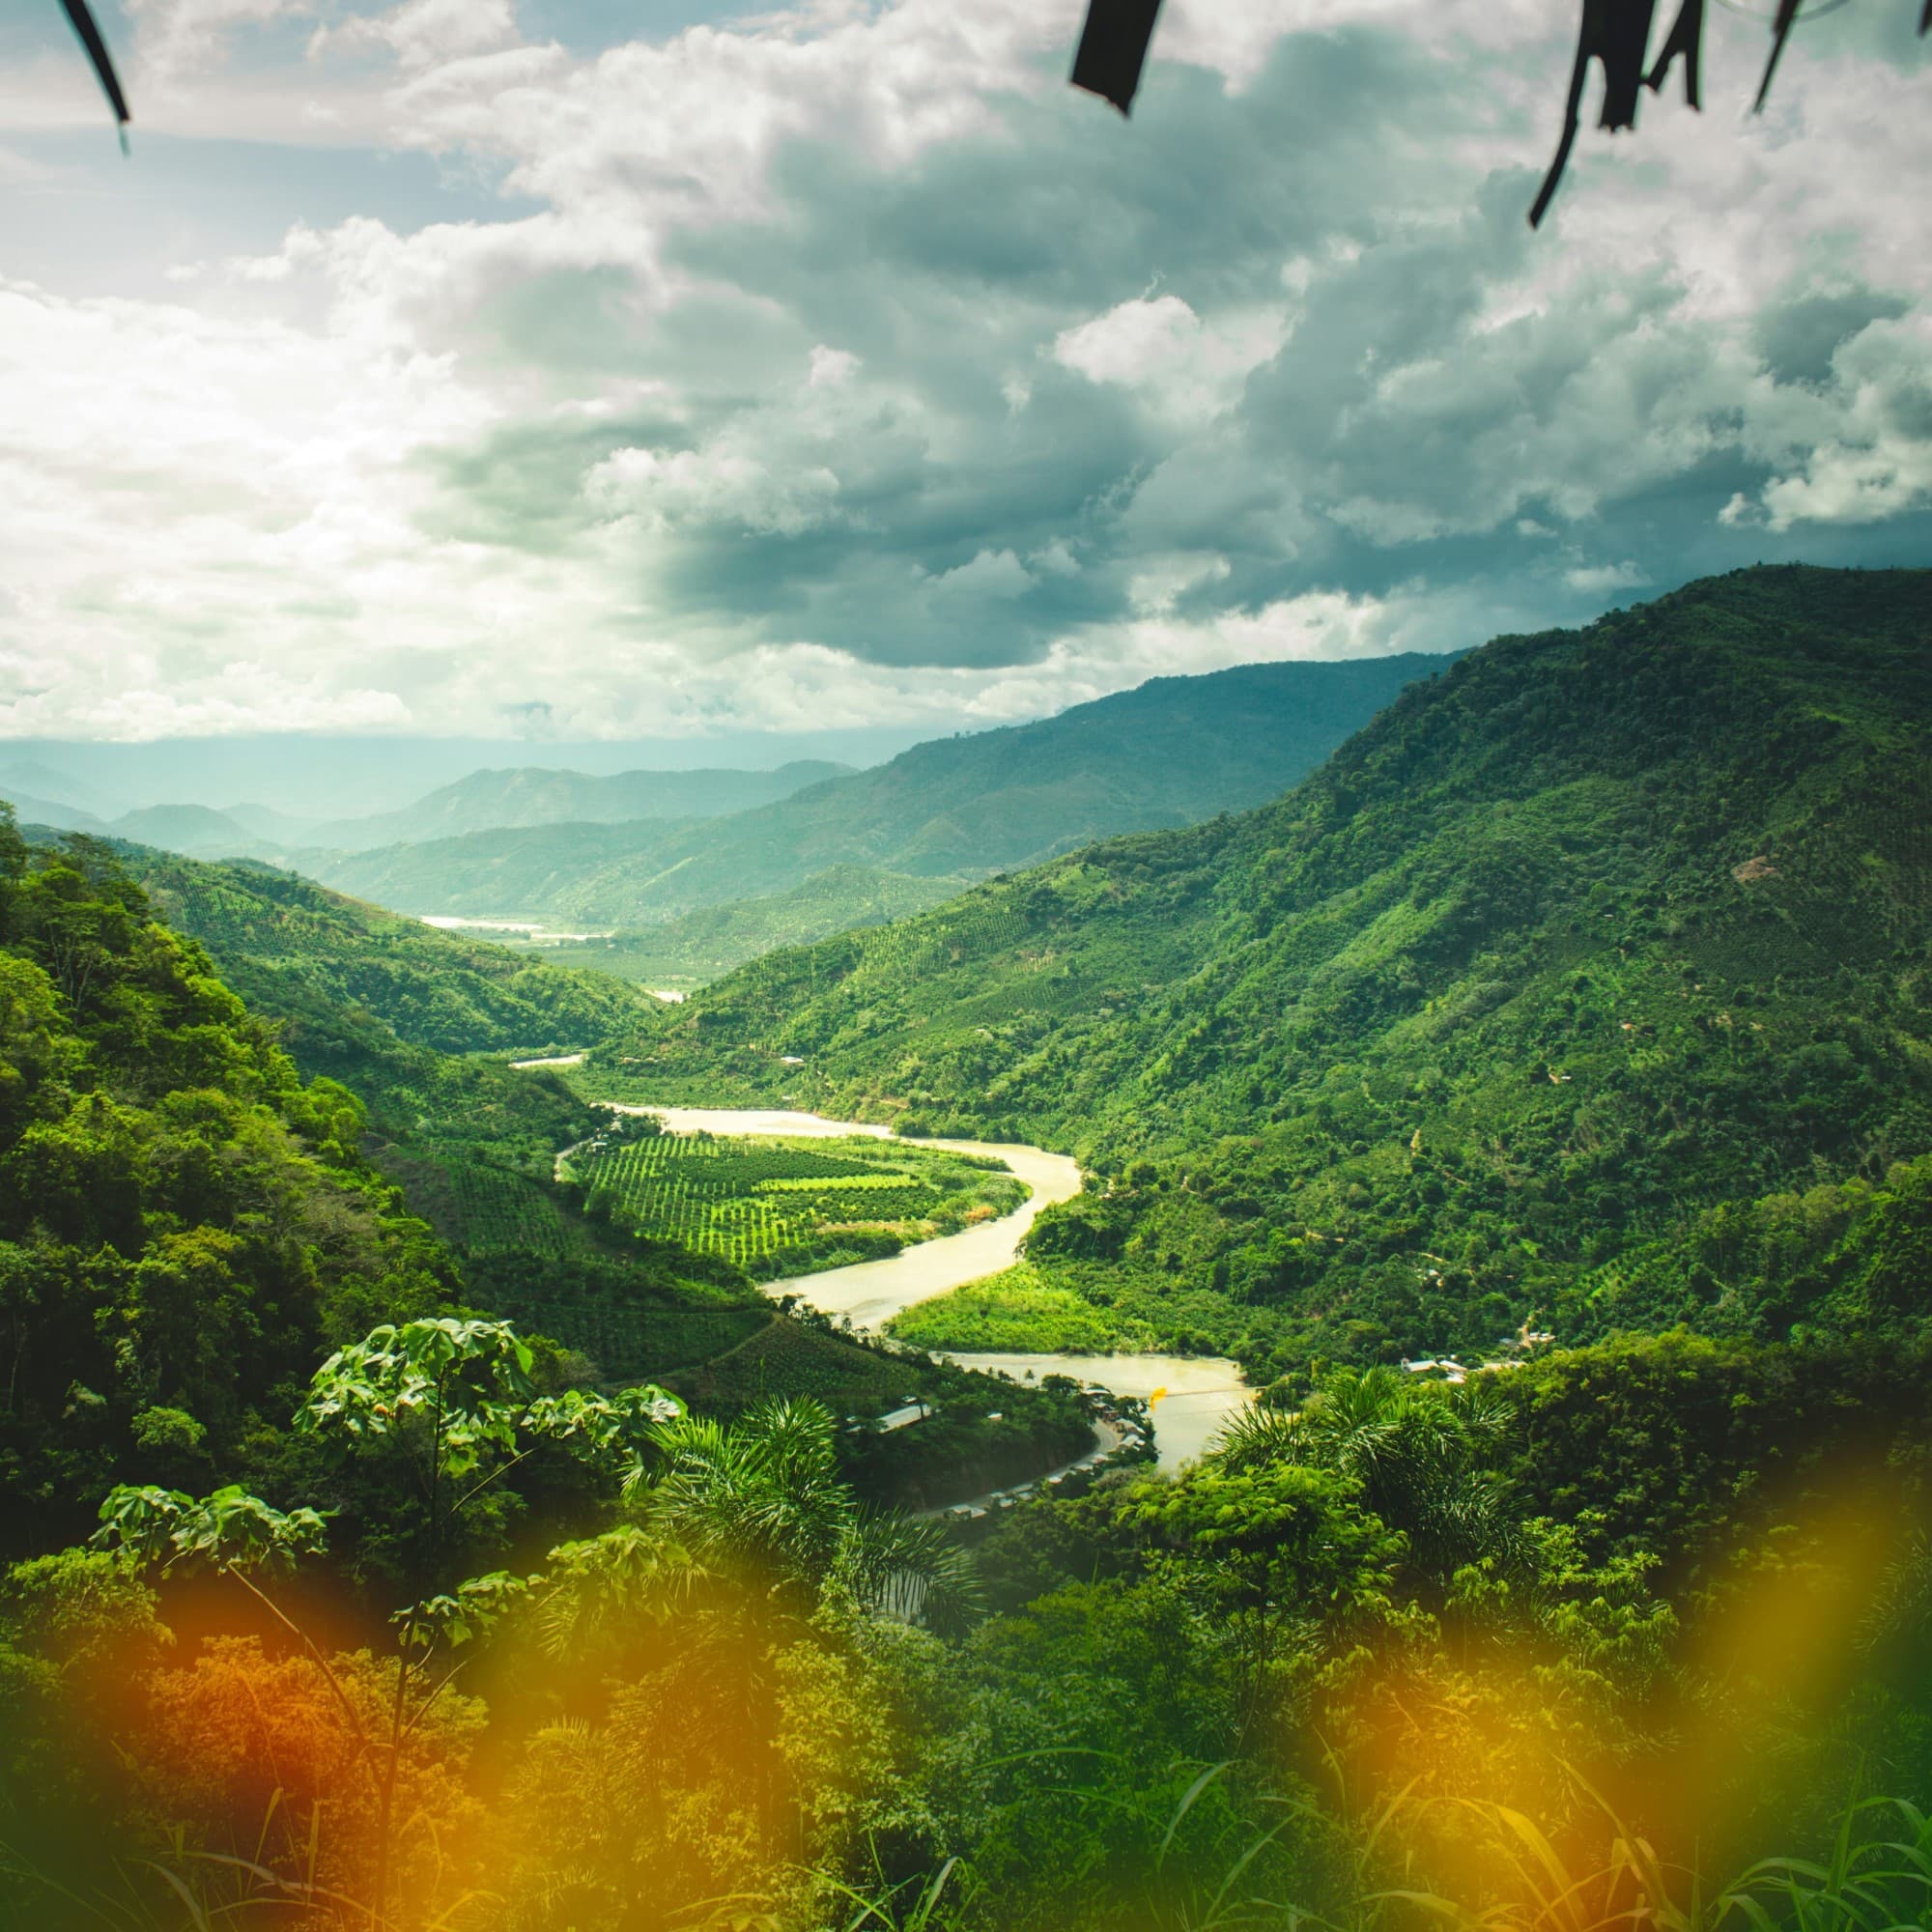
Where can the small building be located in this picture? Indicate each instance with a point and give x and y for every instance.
(903, 1419)
(1445, 1366)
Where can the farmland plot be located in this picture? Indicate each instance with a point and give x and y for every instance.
(776, 1207)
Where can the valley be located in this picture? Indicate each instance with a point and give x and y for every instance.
(1462, 1224)
(1202, 1393)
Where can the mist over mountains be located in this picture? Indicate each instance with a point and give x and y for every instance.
(518, 796)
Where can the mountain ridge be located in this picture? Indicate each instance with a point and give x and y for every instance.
(1171, 751)
(1596, 931)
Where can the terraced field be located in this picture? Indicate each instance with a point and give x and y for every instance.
(776, 1207)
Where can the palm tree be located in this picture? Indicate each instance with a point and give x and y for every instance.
(765, 1495)
(1425, 1458)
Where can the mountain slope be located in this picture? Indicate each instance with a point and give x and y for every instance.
(275, 936)
(29, 809)
(185, 1228)
(1595, 931)
(197, 829)
(1173, 751)
(702, 945)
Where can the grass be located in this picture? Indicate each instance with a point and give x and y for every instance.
(791, 1358)
(1018, 1310)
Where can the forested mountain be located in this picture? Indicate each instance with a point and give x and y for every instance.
(706, 943)
(1173, 751)
(184, 1226)
(1587, 985)
(1594, 933)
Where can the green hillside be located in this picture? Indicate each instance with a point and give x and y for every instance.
(1588, 936)
(185, 1228)
(275, 936)
(389, 1008)
(1170, 754)
(701, 945)
(779, 1209)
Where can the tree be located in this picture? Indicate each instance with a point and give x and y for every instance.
(455, 1399)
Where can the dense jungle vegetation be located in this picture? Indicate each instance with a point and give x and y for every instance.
(1632, 1637)
(1589, 986)
(278, 939)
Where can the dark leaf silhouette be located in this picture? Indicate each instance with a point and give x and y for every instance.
(1614, 34)
(1113, 48)
(83, 22)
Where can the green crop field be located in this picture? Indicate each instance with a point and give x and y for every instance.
(632, 1343)
(774, 1206)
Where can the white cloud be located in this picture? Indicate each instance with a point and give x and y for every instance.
(425, 33)
(1162, 349)
(1600, 579)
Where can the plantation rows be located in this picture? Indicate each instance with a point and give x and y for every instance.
(749, 1203)
(631, 1343)
(499, 1209)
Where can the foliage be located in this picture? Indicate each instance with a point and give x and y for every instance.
(279, 941)
(1615, 35)
(1016, 1310)
(697, 946)
(184, 1227)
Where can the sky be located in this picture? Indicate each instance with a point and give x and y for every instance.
(567, 370)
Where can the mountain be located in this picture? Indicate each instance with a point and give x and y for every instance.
(1596, 933)
(197, 830)
(522, 796)
(32, 810)
(1171, 752)
(53, 785)
(185, 1226)
(530, 795)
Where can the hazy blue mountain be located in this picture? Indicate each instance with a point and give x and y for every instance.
(31, 811)
(279, 828)
(197, 829)
(531, 795)
(1173, 753)
(52, 784)
(519, 797)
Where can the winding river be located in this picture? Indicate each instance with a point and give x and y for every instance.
(1196, 1393)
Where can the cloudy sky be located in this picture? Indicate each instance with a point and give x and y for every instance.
(616, 368)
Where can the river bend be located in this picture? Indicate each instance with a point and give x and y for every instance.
(1197, 1394)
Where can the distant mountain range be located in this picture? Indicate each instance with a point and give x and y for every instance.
(519, 796)
(1173, 753)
